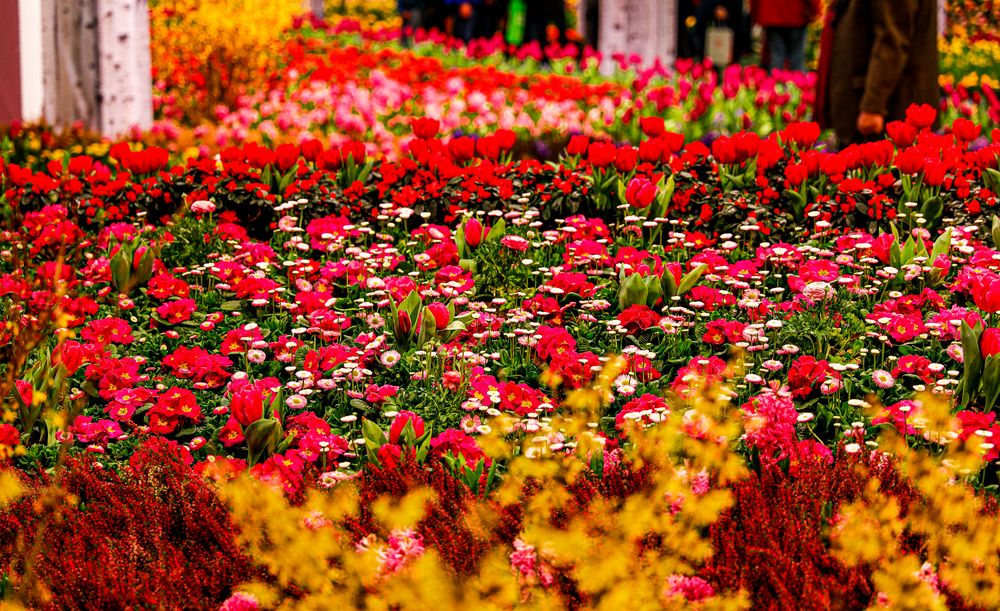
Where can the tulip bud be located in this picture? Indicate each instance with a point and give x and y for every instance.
(403, 323)
(653, 127)
(989, 343)
(986, 293)
(399, 424)
(247, 406)
(973, 319)
(441, 314)
(473, 233)
(640, 193)
(137, 257)
(426, 128)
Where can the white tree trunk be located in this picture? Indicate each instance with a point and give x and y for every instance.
(316, 7)
(96, 65)
(126, 98)
(69, 56)
(644, 27)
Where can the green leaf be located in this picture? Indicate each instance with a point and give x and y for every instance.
(941, 245)
(373, 434)
(120, 271)
(409, 434)
(89, 388)
(894, 254)
(424, 447)
(798, 202)
(973, 363)
(668, 284)
(992, 179)
(666, 195)
(991, 381)
(996, 232)
(428, 327)
(262, 439)
(230, 306)
(411, 305)
(498, 231)
(460, 242)
(909, 250)
(145, 267)
(358, 404)
(691, 278)
(653, 290)
(632, 292)
(288, 177)
(932, 210)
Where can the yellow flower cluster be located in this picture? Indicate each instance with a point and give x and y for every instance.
(374, 14)
(211, 51)
(961, 543)
(602, 549)
(968, 62)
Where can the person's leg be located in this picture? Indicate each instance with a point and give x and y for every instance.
(776, 48)
(559, 20)
(797, 49)
(534, 28)
(405, 15)
(464, 22)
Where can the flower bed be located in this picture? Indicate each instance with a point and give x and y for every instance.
(666, 373)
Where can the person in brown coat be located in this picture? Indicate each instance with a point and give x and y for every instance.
(877, 57)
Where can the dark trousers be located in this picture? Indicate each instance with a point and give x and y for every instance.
(412, 19)
(787, 48)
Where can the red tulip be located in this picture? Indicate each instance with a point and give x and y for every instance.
(989, 343)
(474, 233)
(505, 139)
(247, 406)
(137, 257)
(577, 145)
(403, 322)
(488, 147)
(426, 128)
(804, 135)
(902, 134)
(640, 193)
(921, 117)
(396, 429)
(673, 142)
(462, 148)
(286, 155)
(973, 319)
(389, 456)
(986, 293)
(601, 154)
(965, 130)
(441, 314)
(650, 151)
(626, 159)
(652, 126)
(311, 149)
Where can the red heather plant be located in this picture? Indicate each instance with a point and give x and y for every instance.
(773, 541)
(460, 538)
(154, 535)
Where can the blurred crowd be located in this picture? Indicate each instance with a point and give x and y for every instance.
(783, 23)
(875, 57)
(520, 21)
